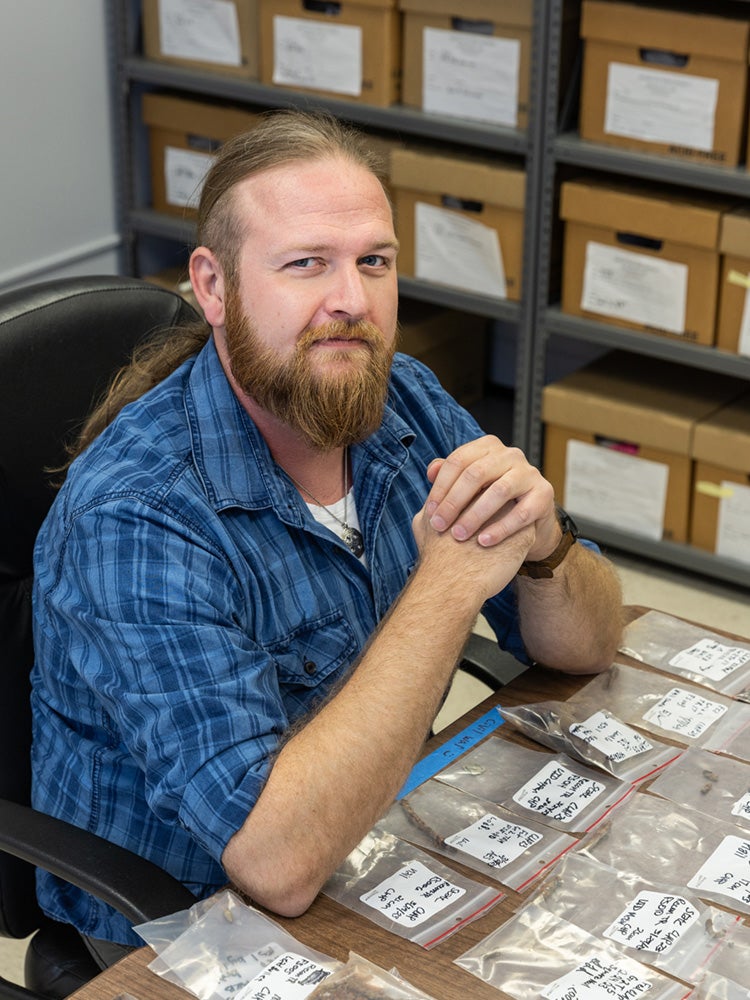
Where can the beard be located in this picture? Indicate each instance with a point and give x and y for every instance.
(329, 409)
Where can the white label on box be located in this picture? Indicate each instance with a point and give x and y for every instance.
(743, 346)
(635, 287)
(471, 76)
(685, 713)
(323, 56)
(493, 840)
(612, 487)
(653, 922)
(733, 526)
(453, 250)
(558, 793)
(600, 978)
(184, 173)
(290, 977)
(657, 105)
(206, 30)
(711, 659)
(611, 737)
(412, 895)
(727, 871)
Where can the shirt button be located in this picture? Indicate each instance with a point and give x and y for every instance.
(309, 667)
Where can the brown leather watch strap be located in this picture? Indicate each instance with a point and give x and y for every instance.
(543, 569)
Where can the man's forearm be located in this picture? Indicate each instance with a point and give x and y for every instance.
(573, 622)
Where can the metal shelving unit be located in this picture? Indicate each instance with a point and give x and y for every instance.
(544, 148)
(142, 226)
(562, 148)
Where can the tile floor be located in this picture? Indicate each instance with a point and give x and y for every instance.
(674, 591)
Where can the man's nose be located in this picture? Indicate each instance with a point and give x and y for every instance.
(347, 295)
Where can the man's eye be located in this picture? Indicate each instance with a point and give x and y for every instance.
(304, 262)
(373, 260)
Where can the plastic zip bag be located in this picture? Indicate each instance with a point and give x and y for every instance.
(679, 711)
(534, 785)
(477, 833)
(650, 837)
(408, 892)
(229, 950)
(360, 980)
(718, 987)
(597, 738)
(536, 954)
(691, 651)
(655, 923)
(714, 785)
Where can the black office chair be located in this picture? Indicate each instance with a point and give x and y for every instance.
(60, 343)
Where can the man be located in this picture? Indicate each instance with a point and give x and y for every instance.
(238, 656)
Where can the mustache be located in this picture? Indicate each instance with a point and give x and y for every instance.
(361, 330)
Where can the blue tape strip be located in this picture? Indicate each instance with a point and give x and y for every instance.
(440, 758)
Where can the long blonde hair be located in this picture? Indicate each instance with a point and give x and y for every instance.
(281, 137)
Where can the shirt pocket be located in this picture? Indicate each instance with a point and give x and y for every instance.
(314, 655)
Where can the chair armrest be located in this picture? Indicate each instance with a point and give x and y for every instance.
(483, 659)
(134, 886)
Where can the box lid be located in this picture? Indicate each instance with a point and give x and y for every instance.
(518, 13)
(644, 400)
(723, 438)
(672, 29)
(213, 121)
(419, 170)
(657, 213)
(735, 233)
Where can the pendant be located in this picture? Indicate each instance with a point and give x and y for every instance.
(353, 540)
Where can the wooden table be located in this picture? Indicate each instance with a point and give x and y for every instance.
(335, 930)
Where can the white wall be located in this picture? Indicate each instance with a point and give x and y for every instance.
(57, 191)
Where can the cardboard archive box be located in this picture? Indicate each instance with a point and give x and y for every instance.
(449, 342)
(720, 520)
(619, 440)
(733, 328)
(468, 58)
(183, 137)
(664, 81)
(344, 48)
(459, 221)
(218, 37)
(642, 258)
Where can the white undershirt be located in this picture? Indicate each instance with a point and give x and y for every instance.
(348, 504)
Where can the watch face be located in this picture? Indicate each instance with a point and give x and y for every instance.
(567, 524)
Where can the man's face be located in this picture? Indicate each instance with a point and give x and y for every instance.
(311, 325)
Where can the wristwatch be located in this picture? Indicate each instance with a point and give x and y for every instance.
(543, 569)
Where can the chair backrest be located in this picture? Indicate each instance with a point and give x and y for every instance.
(60, 344)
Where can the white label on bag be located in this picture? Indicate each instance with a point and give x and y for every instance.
(612, 487)
(494, 840)
(558, 793)
(733, 526)
(600, 978)
(184, 174)
(685, 713)
(656, 105)
(206, 30)
(453, 250)
(323, 56)
(742, 806)
(727, 871)
(412, 895)
(636, 287)
(713, 660)
(471, 76)
(289, 977)
(653, 922)
(611, 737)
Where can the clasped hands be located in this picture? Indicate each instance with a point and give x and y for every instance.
(490, 493)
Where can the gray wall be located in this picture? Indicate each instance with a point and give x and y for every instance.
(57, 192)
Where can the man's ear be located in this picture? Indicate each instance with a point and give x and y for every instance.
(207, 279)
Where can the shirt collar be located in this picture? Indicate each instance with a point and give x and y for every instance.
(233, 459)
